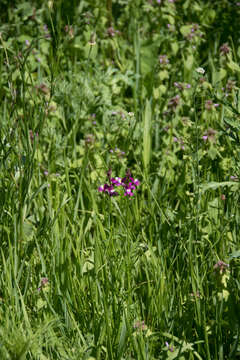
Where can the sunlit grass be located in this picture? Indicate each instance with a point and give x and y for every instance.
(91, 93)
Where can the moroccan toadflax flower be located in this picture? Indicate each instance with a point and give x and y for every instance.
(127, 183)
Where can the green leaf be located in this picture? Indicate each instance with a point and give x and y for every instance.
(219, 75)
(216, 185)
(175, 47)
(185, 29)
(233, 66)
(234, 255)
(188, 63)
(163, 75)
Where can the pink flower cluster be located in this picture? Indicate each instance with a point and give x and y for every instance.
(128, 183)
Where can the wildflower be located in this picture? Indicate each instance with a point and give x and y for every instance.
(178, 85)
(200, 70)
(128, 192)
(27, 42)
(69, 30)
(196, 294)
(188, 86)
(116, 181)
(168, 346)
(45, 173)
(224, 49)
(140, 325)
(109, 189)
(174, 102)
(230, 85)
(42, 88)
(221, 266)
(128, 183)
(208, 105)
(209, 135)
(89, 139)
(163, 59)
(44, 282)
(111, 32)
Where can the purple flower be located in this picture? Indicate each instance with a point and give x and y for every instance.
(178, 85)
(111, 32)
(174, 102)
(163, 59)
(44, 282)
(224, 49)
(208, 105)
(140, 325)
(136, 182)
(168, 346)
(128, 192)
(116, 181)
(209, 135)
(221, 266)
(128, 183)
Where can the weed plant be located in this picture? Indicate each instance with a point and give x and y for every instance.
(119, 180)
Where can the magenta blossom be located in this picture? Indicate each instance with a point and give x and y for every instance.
(128, 183)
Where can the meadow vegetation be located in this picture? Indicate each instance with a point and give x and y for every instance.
(119, 179)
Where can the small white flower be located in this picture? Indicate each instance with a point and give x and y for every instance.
(200, 70)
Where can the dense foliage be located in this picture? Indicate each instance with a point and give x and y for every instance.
(119, 179)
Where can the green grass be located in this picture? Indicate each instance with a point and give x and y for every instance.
(91, 86)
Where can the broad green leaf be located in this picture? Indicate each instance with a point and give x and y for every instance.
(235, 254)
(233, 66)
(216, 185)
(188, 63)
(219, 76)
